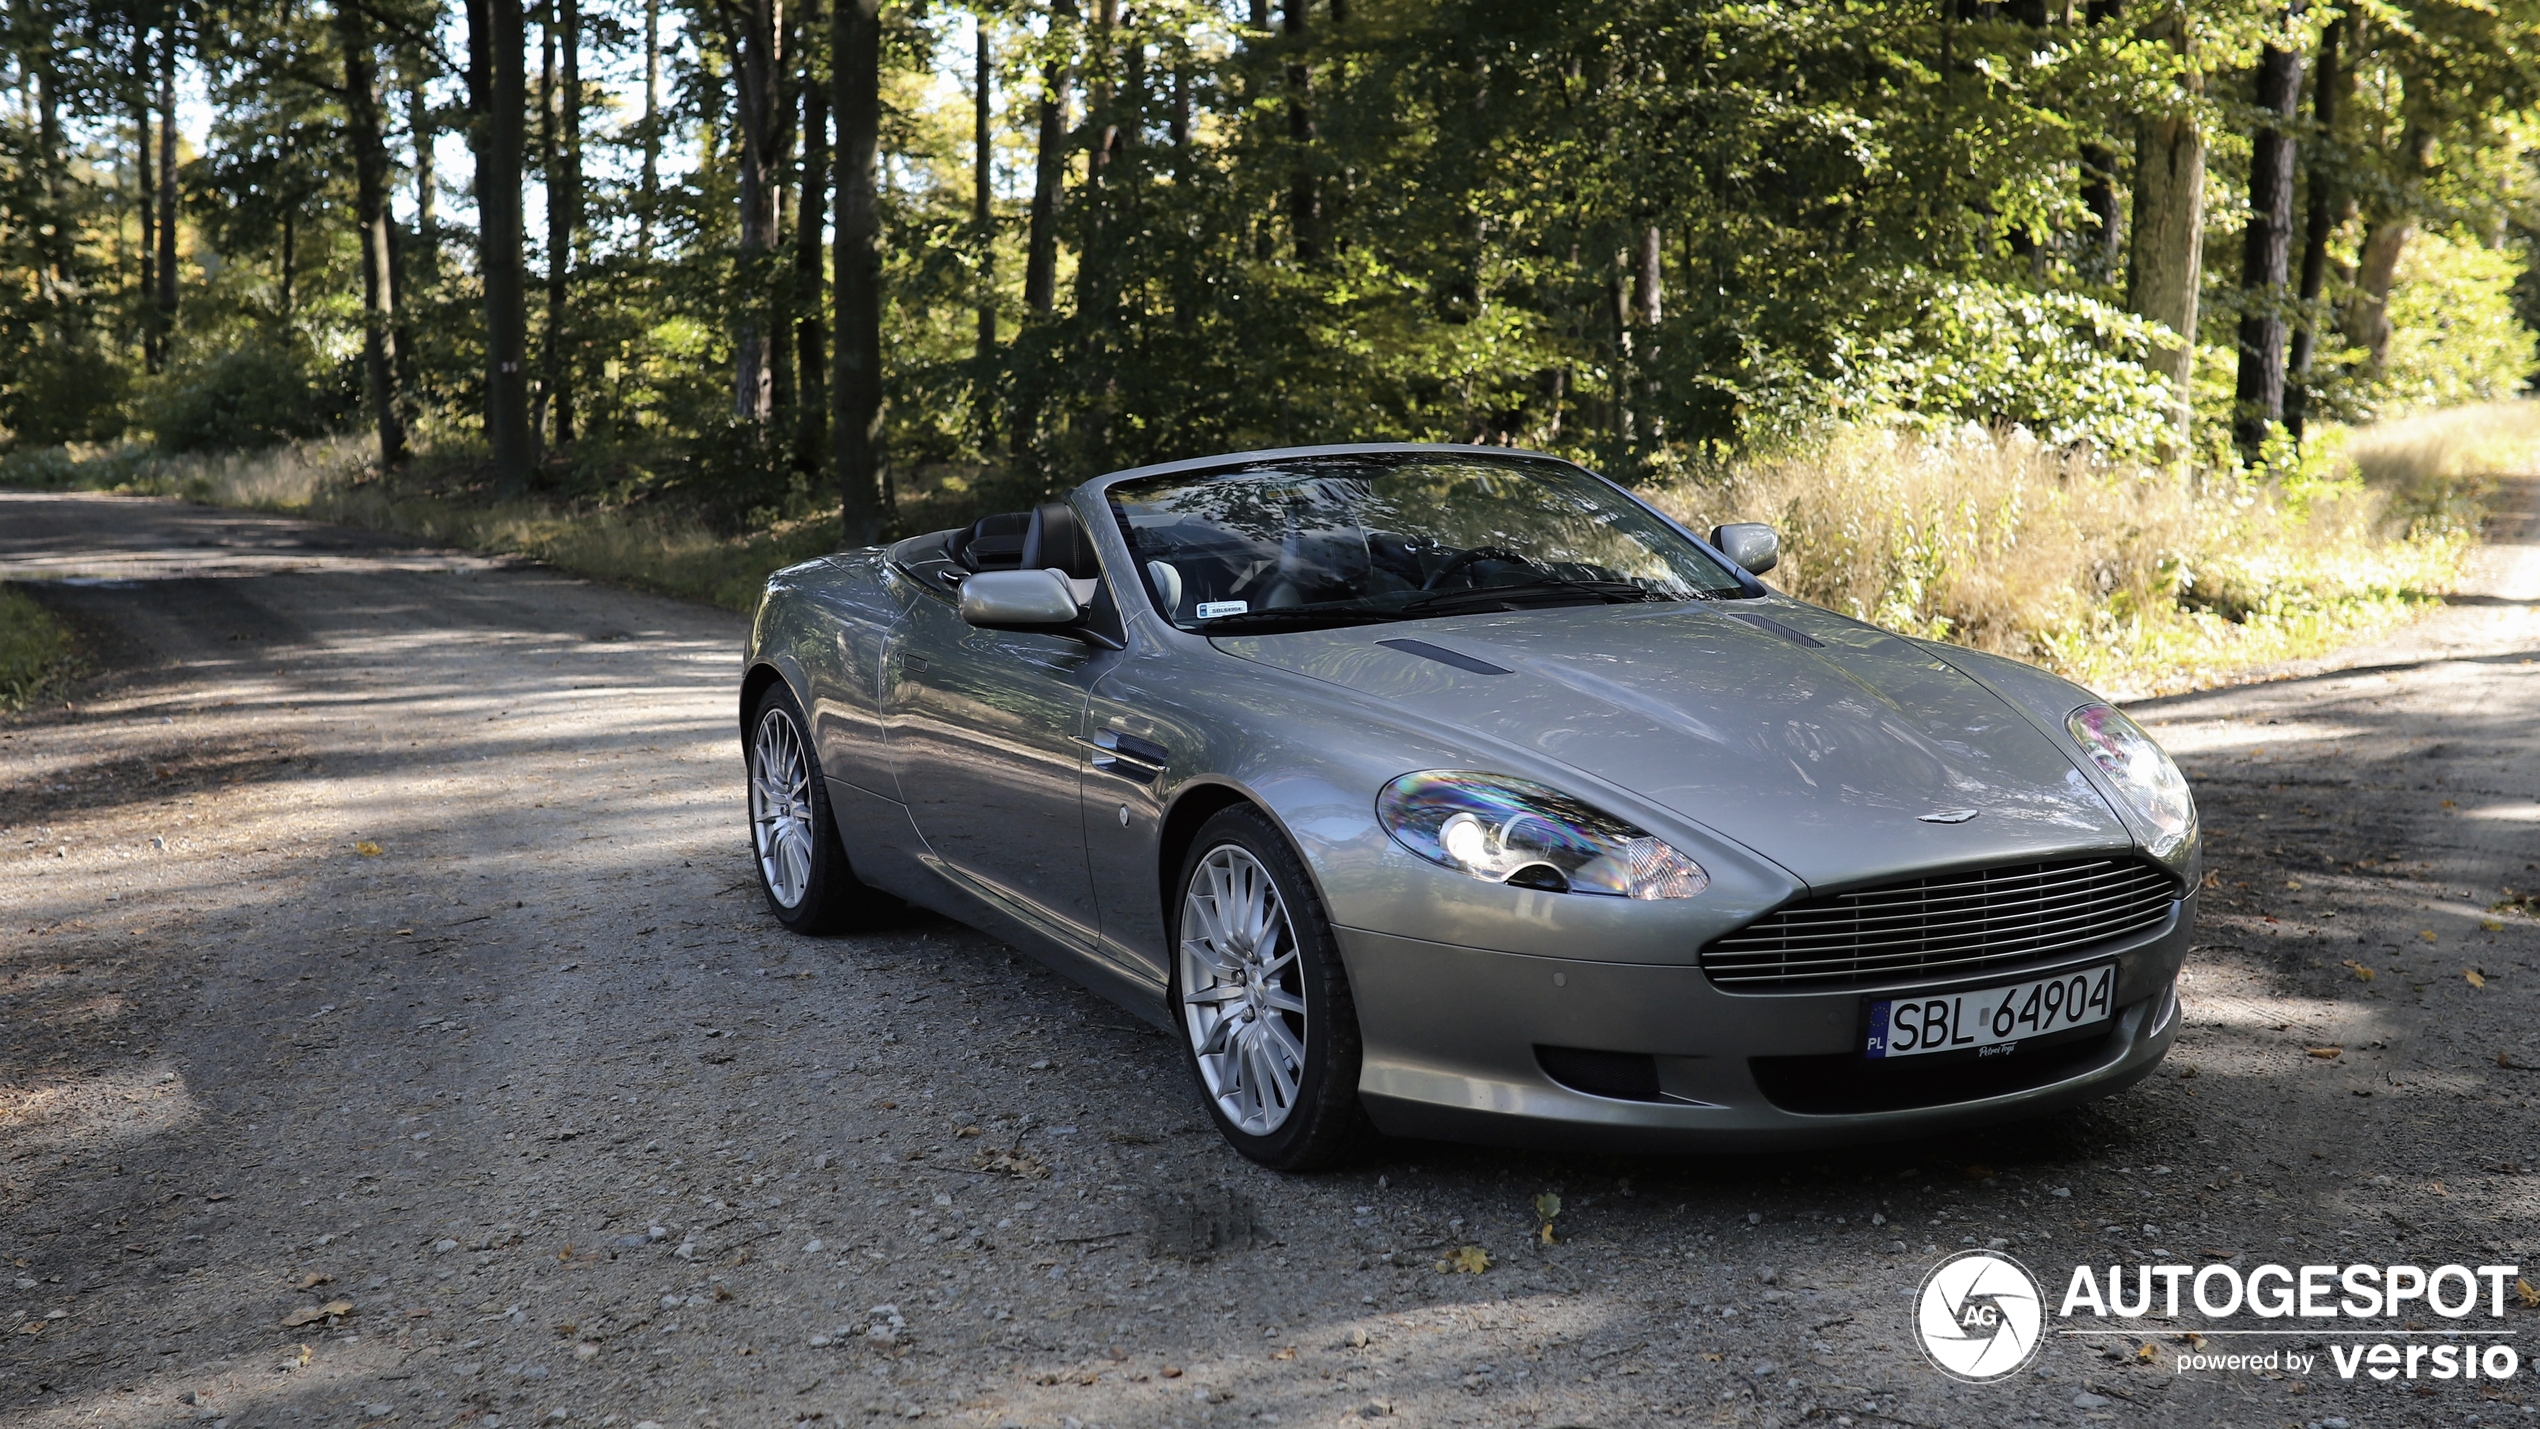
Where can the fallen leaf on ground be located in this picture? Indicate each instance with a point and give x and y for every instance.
(2325, 1051)
(1465, 1260)
(2427, 934)
(1009, 1163)
(1286, 1354)
(2530, 1298)
(2145, 1353)
(2362, 973)
(313, 1280)
(2474, 979)
(367, 849)
(311, 1314)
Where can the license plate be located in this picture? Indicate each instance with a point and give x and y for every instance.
(1991, 1021)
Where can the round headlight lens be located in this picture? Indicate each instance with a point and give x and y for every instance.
(2140, 770)
(1503, 830)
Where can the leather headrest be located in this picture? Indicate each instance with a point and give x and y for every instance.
(1057, 540)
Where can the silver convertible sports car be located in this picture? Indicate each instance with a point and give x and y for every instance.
(1446, 791)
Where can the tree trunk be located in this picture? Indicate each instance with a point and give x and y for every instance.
(2386, 237)
(855, 59)
(145, 201)
(167, 191)
(497, 93)
(811, 334)
(2098, 256)
(542, 396)
(1648, 309)
(762, 125)
(1621, 433)
(1049, 173)
(2266, 247)
(370, 215)
(983, 232)
(57, 235)
(2165, 260)
(564, 209)
(2328, 206)
(651, 189)
(1305, 200)
(427, 181)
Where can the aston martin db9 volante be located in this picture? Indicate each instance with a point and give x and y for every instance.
(1455, 792)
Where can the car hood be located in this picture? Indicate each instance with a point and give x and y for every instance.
(1823, 744)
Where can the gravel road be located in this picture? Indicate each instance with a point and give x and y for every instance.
(390, 1031)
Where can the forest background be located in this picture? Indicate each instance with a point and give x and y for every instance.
(2121, 335)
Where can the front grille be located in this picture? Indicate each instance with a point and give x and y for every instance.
(1949, 924)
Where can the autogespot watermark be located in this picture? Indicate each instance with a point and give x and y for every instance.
(1982, 1317)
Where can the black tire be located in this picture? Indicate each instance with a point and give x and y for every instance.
(794, 842)
(1322, 1124)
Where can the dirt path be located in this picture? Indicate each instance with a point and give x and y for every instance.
(582, 1138)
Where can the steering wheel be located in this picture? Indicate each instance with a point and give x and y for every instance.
(1471, 557)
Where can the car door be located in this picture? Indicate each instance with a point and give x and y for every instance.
(983, 728)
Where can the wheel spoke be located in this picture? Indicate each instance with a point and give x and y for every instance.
(1237, 967)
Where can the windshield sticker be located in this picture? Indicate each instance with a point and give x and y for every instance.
(1211, 609)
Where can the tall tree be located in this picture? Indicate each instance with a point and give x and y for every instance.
(983, 233)
(855, 62)
(650, 191)
(2166, 254)
(811, 334)
(164, 318)
(1049, 173)
(2266, 244)
(1305, 198)
(498, 86)
(2327, 205)
(763, 121)
(371, 217)
(145, 198)
(563, 113)
(419, 122)
(2101, 245)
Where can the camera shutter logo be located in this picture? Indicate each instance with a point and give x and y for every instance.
(1980, 1316)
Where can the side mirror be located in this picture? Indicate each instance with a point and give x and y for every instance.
(999, 598)
(1751, 544)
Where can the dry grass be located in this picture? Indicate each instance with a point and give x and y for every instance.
(2135, 582)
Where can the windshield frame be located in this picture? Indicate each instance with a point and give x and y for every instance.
(1237, 464)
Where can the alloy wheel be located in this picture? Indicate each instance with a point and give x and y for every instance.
(1243, 996)
(780, 808)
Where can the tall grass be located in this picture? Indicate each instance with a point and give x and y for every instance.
(2131, 580)
(37, 656)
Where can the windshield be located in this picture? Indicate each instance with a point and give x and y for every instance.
(1321, 541)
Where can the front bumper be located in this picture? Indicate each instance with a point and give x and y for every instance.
(1452, 1038)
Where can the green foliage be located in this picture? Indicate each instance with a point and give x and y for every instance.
(2456, 337)
(252, 395)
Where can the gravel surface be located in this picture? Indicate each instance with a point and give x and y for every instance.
(390, 1030)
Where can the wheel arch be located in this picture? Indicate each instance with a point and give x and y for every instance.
(754, 686)
(1193, 806)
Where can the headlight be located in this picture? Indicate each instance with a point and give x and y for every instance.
(2139, 769)
(1515, 831)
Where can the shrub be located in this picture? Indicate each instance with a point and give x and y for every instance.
(249, 396)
